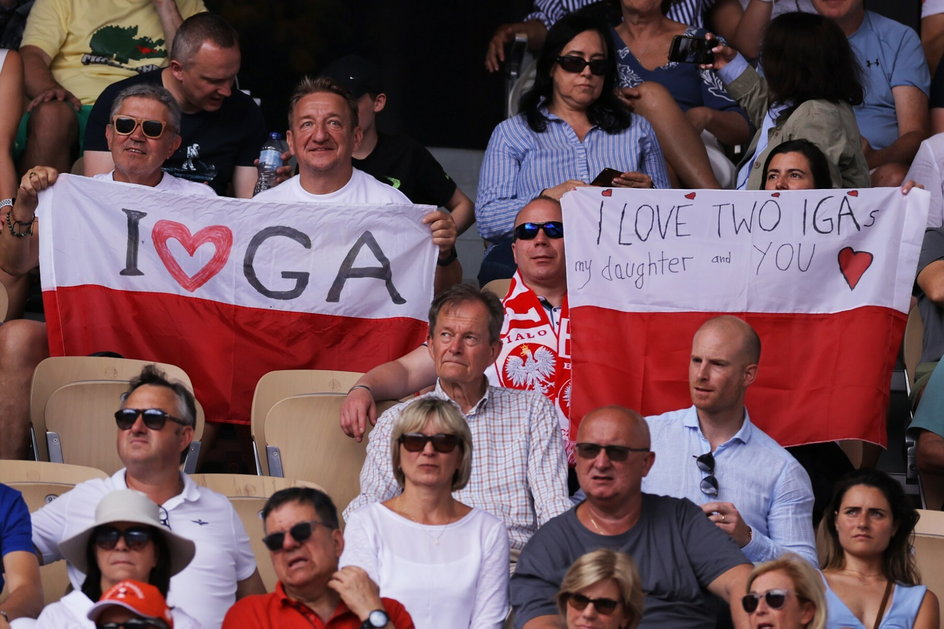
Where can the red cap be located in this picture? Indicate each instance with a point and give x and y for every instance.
(140, 598)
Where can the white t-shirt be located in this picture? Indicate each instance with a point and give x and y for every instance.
(361, 189)
(168, 183)
(453, 575)
(70, 612)
(207, 587)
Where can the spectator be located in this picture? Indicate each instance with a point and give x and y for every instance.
(812, 81)
(126, 541)
(520, 472)
(11, 91)
(155, 426)
(71, 55)
(445, 560)
(571, 111)
(132, 600)
(304, 541)
(796, 165)
(20, 570)
(602, 587)
(869, 562)
(221, 128)
(396, 159)
(786, 593)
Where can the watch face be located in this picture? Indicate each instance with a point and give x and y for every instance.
(378, 618)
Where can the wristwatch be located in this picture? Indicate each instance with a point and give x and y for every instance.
(376, 619)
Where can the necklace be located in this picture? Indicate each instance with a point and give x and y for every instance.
(434, 532)
(594, 522)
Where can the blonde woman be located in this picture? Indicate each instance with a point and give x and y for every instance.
(786, 593)
(602, 590)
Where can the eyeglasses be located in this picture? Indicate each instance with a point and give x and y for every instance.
(154, 418)
(613, 453)
(136, 537)
(605, 606)
(416, 442)
(529, 231)
(709, 484)
(576, 65)
(134, 623)
(299, 532)
(775, 600)
(125, 125)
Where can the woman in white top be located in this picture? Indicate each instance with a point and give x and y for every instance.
(446, 562)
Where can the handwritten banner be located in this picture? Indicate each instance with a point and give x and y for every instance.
(230, 289)
(824, 276)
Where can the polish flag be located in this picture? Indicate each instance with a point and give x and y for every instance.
(230, 289)
(823, 276)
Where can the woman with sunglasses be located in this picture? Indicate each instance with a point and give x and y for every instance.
(786, 593)
(571, 128)
(126, 541)
(601, 589)
(445, 561)
(869, 565)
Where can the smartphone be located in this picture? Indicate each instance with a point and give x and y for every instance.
(689, 49)
(606, 177)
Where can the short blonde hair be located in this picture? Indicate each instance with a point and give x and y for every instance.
(602, 565)
(417, 415)
(807, 583)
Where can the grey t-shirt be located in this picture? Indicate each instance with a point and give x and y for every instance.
(677, 551)
(932, 249)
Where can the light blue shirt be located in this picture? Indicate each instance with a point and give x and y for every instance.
(769, 488)
(519, 163)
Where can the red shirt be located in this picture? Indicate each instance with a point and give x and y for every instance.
(277, 611)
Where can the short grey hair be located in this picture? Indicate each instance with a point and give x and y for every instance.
(152, 92)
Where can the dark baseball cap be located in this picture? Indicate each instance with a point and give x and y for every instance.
(355, 74)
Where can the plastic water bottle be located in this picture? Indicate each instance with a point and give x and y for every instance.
(270, 158)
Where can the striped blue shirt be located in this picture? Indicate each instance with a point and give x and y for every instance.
(520, 163)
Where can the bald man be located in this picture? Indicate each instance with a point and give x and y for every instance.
(711, 453)
(680, 555)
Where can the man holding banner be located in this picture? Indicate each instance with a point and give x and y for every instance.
(142, 133)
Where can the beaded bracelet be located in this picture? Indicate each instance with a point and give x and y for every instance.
(10, 224)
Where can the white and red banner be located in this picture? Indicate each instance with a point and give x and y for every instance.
(824, 276)
(230, 289)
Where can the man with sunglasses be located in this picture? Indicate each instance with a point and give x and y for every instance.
(711, 453)
(535, 352)
(679, 554)
(155, 428)
(305, 543)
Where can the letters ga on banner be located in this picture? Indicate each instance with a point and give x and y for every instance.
(230, 289)
(823, 276)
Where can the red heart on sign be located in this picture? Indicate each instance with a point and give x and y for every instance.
(608, 192)
(775, 194)
(690, 195)
(219, 236)
(853, 193)
(853, 264)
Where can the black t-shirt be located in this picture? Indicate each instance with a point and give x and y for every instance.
(407, 166)
(212, 144)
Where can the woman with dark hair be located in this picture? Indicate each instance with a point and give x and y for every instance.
(126, 541)
(445, 561)
(811, 83)
(571, 128)
(796, 165)
(602, 589)
(869, 562)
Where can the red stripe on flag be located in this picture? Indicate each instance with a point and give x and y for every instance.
(224, 349)
(822, 377)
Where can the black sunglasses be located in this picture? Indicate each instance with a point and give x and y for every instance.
(154, 418)
(529, 231)
(299, 532)
(416, 442)
(136, 537)
(134, 623)
(125, 125)
(605, 606)
(775, 600)
(575, 65)
(613, 453)
(709, 484)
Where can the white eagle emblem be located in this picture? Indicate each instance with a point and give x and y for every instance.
(531, 369)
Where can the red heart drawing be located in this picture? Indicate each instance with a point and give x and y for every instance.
(853, 193)
(219, 236)
(853, 264)
(608, 192)
(775, 194)
(690, 195)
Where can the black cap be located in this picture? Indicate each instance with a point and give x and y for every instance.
(355, 74)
